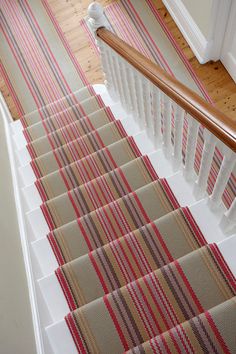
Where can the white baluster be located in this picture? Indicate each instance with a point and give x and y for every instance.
(116, 60)
(105, 63)
(147, 106)
(157, 111)
(228, 221)
(193, 127)
(206, 161)
(126, 88)
(178, 136)
(139, 90)
(113, 88)
(111, 56)
(167, 111)
(132, 90)
(225, 171)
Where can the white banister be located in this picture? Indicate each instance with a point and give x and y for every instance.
(193, 127)
(206, 162)
(225, 171)
(228, 221)
(178, 136)
(167, 114)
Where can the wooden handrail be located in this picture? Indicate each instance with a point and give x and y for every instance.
(210, 117)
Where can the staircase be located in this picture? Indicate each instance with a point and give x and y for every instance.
(125, 247)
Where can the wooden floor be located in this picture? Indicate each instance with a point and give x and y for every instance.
(221, 88)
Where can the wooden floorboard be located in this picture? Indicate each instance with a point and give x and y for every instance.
(218, 83)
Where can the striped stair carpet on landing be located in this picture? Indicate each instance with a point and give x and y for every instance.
(131, 263)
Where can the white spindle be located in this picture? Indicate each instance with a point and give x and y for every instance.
(147, 106)
(116, 60)
(167, 111)
(110, 64)
(206, 162)
(128, 100)
(228, 221)
(193, 127)
(132, 89)
(106, 67)
(178, 136)
(157, 109)
(139, 90)
(225, 171)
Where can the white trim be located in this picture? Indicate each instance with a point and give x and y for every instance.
(204, 47)
(22, 228)
(227, 57)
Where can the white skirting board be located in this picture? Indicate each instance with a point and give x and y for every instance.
(207, 44)
(40, 261)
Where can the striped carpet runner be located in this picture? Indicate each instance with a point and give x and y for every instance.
(207, 333)
(133, 265)
(153, 304)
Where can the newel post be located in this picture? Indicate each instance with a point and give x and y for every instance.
(97, 20)
(96, 15)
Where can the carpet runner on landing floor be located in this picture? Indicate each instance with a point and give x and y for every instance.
(134, 266)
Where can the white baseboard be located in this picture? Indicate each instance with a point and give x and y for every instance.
(204, 47)
(189, 29)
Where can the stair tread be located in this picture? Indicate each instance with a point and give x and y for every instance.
(130, 257)
(154, 303)
(57, 106)
(93, 141)
(41, 127)
(112, 221)
(68, 178)
(172, 340)
(74, 130)
(113, 155)
(98, 192)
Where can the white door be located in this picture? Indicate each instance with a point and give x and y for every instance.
(228, 53)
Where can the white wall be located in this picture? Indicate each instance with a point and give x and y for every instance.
(201, 11)
(16, 328)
